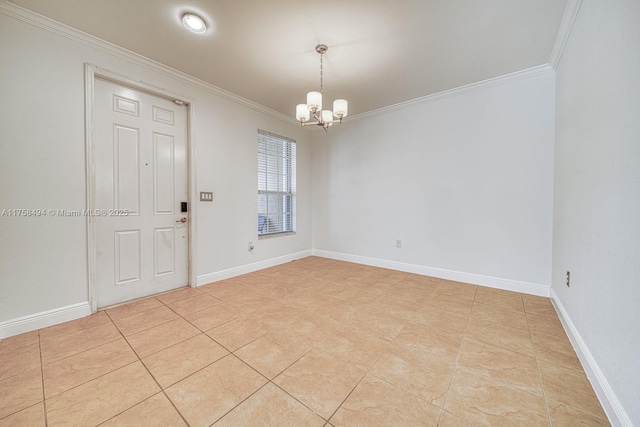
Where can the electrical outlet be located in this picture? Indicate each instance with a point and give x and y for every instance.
(251, 246)
(568, 278)
(398, 243)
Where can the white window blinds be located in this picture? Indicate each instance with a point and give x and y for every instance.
(276, 184)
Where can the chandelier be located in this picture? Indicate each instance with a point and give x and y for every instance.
(312, 113)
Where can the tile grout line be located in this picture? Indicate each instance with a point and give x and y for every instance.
(44, 398)
(266, 314)
(390, 342)
(79, 352)
(535, 355)
(455, 363)
(347, 397)
(398, 387)
(503, 347)
(88, 381)
(270, 381)
(57, 336)
(198, 370)
(243, 400)
(162, 390)
(144, 330)
(213, 339)
(159, 324)
(297, 400)
(206, 366)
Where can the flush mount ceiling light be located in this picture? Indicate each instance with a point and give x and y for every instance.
(312, 113)
(194, 23)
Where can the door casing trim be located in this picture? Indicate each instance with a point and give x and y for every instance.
(91, 73)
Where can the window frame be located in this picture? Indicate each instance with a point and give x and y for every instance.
(276, 168)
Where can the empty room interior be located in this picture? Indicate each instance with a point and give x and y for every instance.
(330, 214)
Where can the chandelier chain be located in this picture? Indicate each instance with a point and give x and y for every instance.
(321, 56)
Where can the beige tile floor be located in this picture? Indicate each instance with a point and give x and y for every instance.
(313, 342)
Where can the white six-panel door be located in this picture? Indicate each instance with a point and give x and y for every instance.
(139, 147)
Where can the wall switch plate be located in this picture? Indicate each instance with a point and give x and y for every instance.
(206, 196)
(398, 243)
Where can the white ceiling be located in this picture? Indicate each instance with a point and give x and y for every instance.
(381, 52)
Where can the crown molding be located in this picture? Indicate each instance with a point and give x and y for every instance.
(495, 81)
(55, 27)
(566, 25)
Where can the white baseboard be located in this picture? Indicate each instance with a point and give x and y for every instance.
(476, 279)
(250, 268)
(610, 403)
(43, 319)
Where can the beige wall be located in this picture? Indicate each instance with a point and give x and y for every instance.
(43, 259)
(464, 181)
(597, 194)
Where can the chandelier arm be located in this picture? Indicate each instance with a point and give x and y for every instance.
(318, 120)
(320, 123)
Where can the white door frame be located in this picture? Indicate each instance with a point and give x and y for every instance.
(91, 73)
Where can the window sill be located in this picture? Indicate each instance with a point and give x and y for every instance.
(270, 236)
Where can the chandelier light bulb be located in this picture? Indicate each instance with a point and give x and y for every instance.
(327, 116)
(314, 101)
(302, 112)
(340, 108)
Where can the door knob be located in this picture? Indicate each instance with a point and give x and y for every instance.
(182, 220)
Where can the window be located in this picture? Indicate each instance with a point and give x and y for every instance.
(276, 184)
